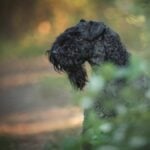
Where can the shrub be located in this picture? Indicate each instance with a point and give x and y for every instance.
(116, 104)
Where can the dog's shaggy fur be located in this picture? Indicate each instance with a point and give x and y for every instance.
(89, 41)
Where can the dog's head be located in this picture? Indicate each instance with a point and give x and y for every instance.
(78, 44)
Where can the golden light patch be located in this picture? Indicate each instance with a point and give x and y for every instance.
(136, 20)
(30, 123)
(44, 27)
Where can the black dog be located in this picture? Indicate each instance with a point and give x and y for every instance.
(89, 41)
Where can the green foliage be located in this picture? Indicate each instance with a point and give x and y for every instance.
(72, 143)
(125, 91)
(8, 143)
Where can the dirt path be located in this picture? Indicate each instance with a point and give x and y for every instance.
(29, 111)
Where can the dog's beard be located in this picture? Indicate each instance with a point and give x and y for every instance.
(76, 73)
(77, 77)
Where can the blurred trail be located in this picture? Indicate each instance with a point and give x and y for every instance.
(26, 71)
(51, 120)
(25, 107)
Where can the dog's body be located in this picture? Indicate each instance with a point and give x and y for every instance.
(89, 41)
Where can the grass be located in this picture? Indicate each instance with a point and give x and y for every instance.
(44, 141)
(8, 143)
(16, 50)
(29, 46)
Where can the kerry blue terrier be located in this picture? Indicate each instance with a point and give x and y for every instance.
(89, 41)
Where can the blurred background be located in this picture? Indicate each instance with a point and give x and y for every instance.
(37, 104)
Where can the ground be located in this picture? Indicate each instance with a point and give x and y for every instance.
(36, 108)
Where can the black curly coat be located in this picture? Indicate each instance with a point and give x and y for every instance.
(89, 41)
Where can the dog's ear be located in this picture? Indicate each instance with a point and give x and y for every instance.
(90, 30)
(96, 29)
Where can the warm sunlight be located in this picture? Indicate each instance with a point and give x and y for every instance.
(44, 27)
